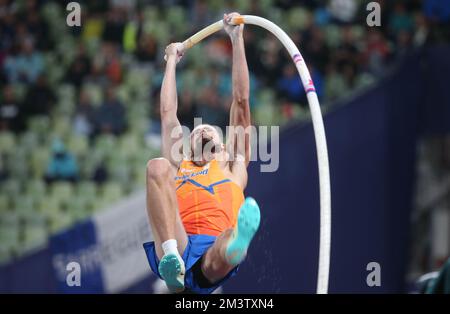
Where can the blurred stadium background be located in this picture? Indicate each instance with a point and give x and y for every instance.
(79, 120)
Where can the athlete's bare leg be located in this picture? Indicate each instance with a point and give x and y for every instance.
(162, 206)
(215, 266)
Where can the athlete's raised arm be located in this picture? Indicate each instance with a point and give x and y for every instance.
(169, 105)
(238, 143)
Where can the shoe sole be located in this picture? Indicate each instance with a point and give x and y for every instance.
(248, 222)
(172, 271)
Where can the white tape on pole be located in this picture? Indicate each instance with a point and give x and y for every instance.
(319, 133)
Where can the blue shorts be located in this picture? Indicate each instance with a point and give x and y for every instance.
(196, 247)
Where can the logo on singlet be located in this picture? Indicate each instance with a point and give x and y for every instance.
(191, 175)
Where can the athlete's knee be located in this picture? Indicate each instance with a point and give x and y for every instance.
(227, 234)
(158, 169)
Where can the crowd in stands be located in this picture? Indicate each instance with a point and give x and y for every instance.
(341, 51)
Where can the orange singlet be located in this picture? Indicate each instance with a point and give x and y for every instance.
(208, 202)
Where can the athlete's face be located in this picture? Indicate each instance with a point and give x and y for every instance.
(205, 144)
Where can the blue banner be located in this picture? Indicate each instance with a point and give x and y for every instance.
(78, 245)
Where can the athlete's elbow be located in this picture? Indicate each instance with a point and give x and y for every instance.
(241, 100)
(158, 169)
(169, 116)
(167, 108)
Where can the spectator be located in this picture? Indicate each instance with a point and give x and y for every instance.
(112, 65)
(335, 84)
(26, 66)
(110, 117)
(62, 165)
(200, 15)
(272, 65)
(80, 68)
(290, 85)
(10, 111)
(210, 108)
(38, 28)
(83, 123)
(139, 41)
(252, 52)
(317, 51)
(376, 52)
(7, 28)
(147, 48)
(39, 99)
(97, 75)
(131, 33)
(343, 11)
(100, 175)
(114, 26)
(400, 20)
(93, 26)
(346, 53)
